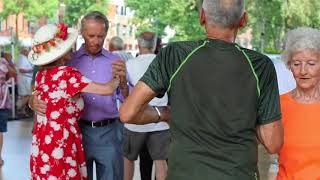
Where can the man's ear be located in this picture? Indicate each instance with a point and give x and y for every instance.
(244, 20)
(202, 17)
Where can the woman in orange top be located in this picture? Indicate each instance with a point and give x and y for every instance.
(299, 158)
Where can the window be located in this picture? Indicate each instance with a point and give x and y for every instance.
(122, 11)
(130, 30)
(118, 29)
(29, 27)
(124, 30)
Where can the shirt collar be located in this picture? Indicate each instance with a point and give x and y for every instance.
(82, 51)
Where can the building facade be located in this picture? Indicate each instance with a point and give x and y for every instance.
(13, 23)
(120, 18)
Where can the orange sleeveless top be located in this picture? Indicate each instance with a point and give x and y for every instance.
(299, 158)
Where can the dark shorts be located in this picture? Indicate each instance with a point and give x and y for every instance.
(157, 143)
(4, 115)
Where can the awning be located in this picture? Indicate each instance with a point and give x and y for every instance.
(26, 42)
(5, 40)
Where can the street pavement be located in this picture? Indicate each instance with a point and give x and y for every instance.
(16, 150)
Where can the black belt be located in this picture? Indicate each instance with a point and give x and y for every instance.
(101, 123)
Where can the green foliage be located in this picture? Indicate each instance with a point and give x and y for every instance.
(14, 7)
(180, 15)
(269, 19)
(302, 13)
(77, 8)
(273, 18)
(39, 8)
(266, 20)
(31, 8)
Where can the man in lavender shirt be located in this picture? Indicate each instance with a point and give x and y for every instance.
(100, 126)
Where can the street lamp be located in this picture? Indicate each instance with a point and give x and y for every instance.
(12, 42)
(62, 10)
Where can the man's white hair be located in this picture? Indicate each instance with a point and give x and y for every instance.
(300, 39)
(224, 13)
(117, 43)
(148, 40)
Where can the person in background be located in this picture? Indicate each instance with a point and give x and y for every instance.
(158, 45)
(299, 157)
(155, 135)
(116, 46)
(99, 123)
(5, 102)
(57, 151)
(223, 98)
(145, 159)
(25, 72)
(12, 68)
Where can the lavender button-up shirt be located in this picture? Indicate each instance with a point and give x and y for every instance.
(99, 69)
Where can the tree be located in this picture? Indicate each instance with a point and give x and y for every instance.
(14, 7)
(156, 15)
(76, 8)
(271, 19)
(266, 20)
(31, 9)
(302, 13)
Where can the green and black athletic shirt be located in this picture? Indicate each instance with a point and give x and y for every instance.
(219, 92)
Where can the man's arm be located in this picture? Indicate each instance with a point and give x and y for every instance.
(119, 70)
(37, 105)
(135, 109)
(271, 136)
(21, 70)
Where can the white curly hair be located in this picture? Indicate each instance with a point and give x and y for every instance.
(300, 39)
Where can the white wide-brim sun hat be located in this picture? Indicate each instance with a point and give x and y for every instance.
(46, 34)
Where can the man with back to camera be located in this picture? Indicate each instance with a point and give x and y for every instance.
(223, 98)
(116, 46)
(154, 135)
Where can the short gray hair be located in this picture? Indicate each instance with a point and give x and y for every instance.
(148, 40)
(97, 16)
(224, 13)
(117, 42)
(300, 39)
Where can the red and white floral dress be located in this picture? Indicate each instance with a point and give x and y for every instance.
(57, 152)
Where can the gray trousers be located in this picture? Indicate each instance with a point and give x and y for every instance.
(102, 145)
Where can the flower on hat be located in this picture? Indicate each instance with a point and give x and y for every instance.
(62, 34)
(63, 31)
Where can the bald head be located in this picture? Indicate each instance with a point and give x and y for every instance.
(223, 13)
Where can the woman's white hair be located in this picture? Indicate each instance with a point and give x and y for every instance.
(300, 39)
(225, 13)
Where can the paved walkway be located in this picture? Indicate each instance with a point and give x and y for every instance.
(16, 152)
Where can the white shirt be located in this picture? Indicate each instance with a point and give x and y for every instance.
(136, 68)
(23, 63)
(123, 55)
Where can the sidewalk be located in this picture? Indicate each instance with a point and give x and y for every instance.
(16, 152)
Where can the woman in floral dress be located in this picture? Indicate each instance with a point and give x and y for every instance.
(57, 152)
